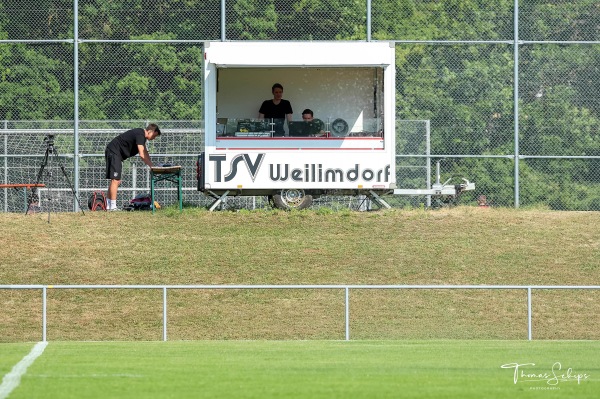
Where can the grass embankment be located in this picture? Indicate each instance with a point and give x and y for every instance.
(450, 246)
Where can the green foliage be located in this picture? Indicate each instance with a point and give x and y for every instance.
(253, 19)
(467, 93)
(37, 19)
(164, 81)
(34, 85)
(465, 90)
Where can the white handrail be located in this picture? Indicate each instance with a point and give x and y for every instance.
(345, 287)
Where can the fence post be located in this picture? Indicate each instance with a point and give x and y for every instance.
(347, 313)
(76, 154)
(44, 292)
(223, 21)
(164, 313)
(5, 169)
(428, 159)
(529, 313)
(368, 27)
(516, 99)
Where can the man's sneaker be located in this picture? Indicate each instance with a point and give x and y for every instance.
(113, 210)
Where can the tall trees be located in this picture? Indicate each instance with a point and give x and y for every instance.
(34, 85)
(465, 89)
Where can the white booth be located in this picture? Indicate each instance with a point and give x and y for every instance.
(349, 146)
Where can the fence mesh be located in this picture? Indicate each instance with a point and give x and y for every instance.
(140, 60)
(25, 146)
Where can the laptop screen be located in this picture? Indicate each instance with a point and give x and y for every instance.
(298, 128)
(304, 129)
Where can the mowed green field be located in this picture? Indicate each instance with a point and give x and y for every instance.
(308, 369)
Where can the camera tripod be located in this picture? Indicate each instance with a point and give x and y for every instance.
(51, 150)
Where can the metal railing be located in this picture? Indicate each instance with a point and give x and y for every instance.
(345, 288)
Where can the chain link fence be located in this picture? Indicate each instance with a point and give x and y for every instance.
(510, 89)
(29, 158)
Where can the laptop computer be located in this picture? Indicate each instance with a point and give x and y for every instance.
(303, 129)
(298, 129)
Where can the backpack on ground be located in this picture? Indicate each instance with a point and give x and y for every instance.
(97, 201)
(141, 202)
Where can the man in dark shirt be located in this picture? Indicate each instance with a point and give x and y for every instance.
(316, 128)
(124, 146)
(277, 109)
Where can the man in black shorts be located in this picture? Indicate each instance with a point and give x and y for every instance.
(124, 146)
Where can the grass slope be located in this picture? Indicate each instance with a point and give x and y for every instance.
(463, 245)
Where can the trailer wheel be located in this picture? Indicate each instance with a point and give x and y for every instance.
(292, 199)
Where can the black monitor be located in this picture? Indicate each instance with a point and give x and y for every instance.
(304, 129)
(298, 129)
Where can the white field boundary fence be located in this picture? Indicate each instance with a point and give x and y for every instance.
(345, 288)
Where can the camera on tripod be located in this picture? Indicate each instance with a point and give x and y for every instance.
(50, 150)
(49, 140)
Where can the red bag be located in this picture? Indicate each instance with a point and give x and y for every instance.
(97, 201)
